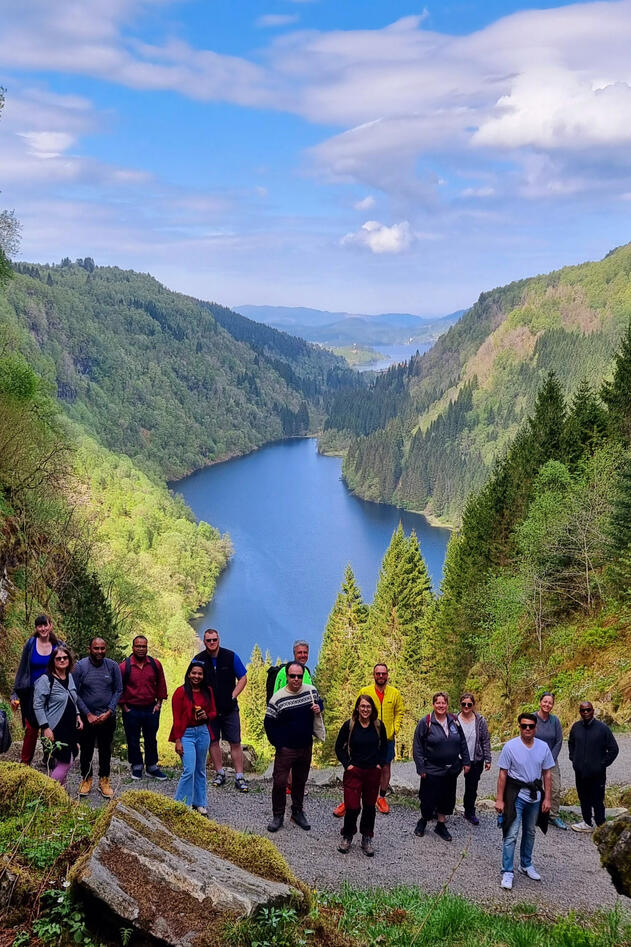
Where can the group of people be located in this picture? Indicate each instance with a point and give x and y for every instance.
(73, 707)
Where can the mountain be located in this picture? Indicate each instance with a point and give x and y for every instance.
(173, 382)
(426, 434)
(343, 328)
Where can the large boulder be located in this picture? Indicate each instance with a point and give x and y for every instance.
(249, 756)
(177, 877)
(614, 844)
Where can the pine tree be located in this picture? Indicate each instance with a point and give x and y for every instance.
(620, 532)
(547, 422)
(617, 393)
(586, 425)
(253, 702)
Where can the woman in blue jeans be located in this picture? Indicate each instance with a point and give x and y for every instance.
(193, 712)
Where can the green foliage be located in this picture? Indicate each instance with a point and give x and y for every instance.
(253, 703)
(270, 927)
(63, 920)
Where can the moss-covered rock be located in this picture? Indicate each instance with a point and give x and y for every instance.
(21, 785)
(614, 844)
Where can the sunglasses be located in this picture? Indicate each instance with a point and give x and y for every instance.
(466, 703)
(62, 658)
(212, 640)
(527, 726)
(299, 676)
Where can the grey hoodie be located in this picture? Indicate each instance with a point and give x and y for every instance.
(50, 698)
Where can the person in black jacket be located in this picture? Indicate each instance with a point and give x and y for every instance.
(440, 752)
(592, 747)
(362, 749)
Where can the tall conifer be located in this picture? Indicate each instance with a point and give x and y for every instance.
(617, 393)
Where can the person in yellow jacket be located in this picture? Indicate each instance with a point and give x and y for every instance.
(389, 704)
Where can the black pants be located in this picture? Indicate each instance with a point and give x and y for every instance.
(100, 735)
(142, 721)
(471, 780)
(294, 761)
(438, 795)
(591, 795)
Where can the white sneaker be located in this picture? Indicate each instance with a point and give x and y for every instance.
(507, 880)
(530, 871)
(581, 827)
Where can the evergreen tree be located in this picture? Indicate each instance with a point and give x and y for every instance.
(586, 425)
(620, 531)
(547, 422)
(253, 703)
(617, 393)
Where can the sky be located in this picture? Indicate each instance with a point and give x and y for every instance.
(357, 155)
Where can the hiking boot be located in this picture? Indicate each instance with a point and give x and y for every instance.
(156, 773)
(507, 880)
(473, 819)
(298, 816)
(367, 847)
(86, 787)
(530, 871)
(339, 811)
(240, 784)
(421, 825)
(276, 823)
(581, 827)
(136, 772)
(382, 805)
(559, 823)
(345, 845)
(442, 830)
(105, 787)
(219, 779)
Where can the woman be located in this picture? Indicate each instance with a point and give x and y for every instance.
(33, 664)
(440, 752)
(362, 749)
(476, 734)
(57, 714)
(550, 731)
(193, 712)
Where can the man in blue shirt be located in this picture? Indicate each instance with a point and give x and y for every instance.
(227, 675)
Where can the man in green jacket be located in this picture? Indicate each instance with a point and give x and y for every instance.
(301, 655)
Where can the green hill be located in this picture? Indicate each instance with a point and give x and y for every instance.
(170, 381)
(429, 433)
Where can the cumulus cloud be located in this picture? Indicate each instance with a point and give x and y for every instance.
(365, 203)
(379, 238)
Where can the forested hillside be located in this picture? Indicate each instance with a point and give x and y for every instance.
(170, 381)
(429, 433)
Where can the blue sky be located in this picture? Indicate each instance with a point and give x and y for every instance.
(360, 155)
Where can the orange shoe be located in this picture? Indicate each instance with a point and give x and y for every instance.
(339, 811)
(382, 805)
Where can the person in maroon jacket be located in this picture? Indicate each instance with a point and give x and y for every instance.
(144, 689)
(193, 714)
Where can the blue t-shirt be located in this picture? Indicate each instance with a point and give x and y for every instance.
(238, 666)
(38, 663)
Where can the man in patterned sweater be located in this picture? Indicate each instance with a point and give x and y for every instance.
(293, 717)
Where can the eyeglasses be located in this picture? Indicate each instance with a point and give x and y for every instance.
(299, 676)
(62, 657)
(527, 726)
(466, 703)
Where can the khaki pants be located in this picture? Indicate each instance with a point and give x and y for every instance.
(555, 792)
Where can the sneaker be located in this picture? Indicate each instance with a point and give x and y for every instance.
(339, 811)
(367, 846)
(560, 824)
(507, 880)
(202, 810)
(421, 825)
(442, 830)
(581, 827)
(240, 784)
(219, 779)
(276, 823)
(136, 772)
(382, 805)
(86, 787)
(299, 818)
(530, 871)
(156, 773)
(105, 787)
(345, 845)
(473, 819)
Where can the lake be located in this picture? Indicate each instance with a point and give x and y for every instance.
(294, 527)
(392, 354)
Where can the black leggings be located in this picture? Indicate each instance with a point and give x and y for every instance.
(438, 795)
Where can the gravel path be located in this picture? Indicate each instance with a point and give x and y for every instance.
(568, 862)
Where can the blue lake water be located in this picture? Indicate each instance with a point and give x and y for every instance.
(392, 354)
(294, 527)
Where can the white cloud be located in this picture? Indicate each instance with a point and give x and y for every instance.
(366, 203)
(47, 144)
(271, 20)
(379, 238)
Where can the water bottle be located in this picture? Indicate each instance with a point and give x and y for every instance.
(500, 820)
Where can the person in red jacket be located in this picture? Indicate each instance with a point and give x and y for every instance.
(193, 714)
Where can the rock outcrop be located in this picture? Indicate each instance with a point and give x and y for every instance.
(156, 867)
(613, 840)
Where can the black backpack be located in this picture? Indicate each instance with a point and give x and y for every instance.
(272, 674)
(5, 732)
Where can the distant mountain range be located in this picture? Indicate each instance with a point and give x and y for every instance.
(345, 328)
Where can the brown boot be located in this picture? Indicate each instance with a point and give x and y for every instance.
(105, 787)
(86, 787)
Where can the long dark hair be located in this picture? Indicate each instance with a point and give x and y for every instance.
(50, 667)
(205, 689)
(374, 716)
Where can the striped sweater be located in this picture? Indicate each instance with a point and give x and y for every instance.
(290, 720)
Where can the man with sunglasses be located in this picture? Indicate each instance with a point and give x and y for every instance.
(292, 719)
(523, 796)
(592, 748)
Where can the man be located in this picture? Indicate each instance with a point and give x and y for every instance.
(144, 690)
(292, 717)
(592, 748)
(99, 688)
(523, 796)
(226, 674)
(389, 703)
(301, 655)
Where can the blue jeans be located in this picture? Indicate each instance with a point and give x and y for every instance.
(525, 815)
(191, 788)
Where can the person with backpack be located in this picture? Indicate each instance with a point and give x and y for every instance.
(440, 753)
(362, 749)
(144, 690)
(57, 713)
(277, 673)
(33, 664)
(99, 688)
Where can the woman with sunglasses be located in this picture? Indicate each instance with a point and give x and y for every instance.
(193, 714)
(57, 714)
(476, 733)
